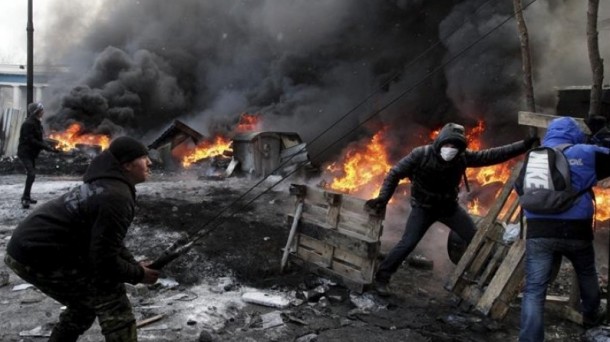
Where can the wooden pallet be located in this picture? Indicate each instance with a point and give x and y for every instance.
(489, 274)
(335, 236)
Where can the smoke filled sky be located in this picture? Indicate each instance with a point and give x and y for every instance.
(135, 66)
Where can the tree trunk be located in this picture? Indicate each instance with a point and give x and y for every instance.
(597, 64)
(525, 60)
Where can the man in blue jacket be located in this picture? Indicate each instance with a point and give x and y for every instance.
(569, 233)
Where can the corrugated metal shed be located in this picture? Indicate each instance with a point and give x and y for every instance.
(261, 153)
(10, 124)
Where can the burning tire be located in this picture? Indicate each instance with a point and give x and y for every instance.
(456, 247)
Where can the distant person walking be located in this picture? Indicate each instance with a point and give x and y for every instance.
(31, 142)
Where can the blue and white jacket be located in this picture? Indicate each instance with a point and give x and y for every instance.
(588, 164)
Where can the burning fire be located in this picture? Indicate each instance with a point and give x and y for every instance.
(364, 166)
(74, 135)
(207, 149)
(248, 123)
(363, 169)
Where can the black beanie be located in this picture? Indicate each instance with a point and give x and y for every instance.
(35, 108)
(126, 149)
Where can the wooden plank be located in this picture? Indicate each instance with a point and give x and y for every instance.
(326, 272)
(374, 227)
(454, 282)
(492, 266)
(334, 207)
(353, 244)
(354, 205)
(315, 197)
(543, 120)
(353, 223)
(315, 251)
(485, 253)
(502, 287)
(312, 257)
(347, 271)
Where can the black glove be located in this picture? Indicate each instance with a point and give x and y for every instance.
(531, 142)
(376, 203)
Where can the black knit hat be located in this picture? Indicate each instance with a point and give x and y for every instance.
(35, 108)
(126, 149)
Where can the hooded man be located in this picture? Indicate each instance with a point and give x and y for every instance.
(435, 171)
(568, 233)
(31, 142)
(71, 248)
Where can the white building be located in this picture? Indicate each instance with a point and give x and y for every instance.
(13, 98)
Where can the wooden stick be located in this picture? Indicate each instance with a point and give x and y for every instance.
(293, 229)
(148, 320)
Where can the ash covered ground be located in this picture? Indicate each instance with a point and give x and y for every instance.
(200, 294)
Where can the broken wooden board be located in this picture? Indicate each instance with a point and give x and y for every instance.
(542, 120)
(336, 236)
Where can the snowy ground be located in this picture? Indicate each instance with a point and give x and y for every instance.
(200, 295)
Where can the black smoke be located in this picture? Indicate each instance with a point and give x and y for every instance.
(301, 64)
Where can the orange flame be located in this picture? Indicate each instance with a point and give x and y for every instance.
(73, 135)
(363, 169)
(248, 123)
(207, 149)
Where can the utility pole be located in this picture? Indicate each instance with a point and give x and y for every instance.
(30, 61)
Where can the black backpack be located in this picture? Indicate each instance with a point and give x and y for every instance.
(543, 184)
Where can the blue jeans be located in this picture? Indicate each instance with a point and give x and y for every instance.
(539, 256)
(420, 219)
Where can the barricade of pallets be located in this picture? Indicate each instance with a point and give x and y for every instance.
(334, 235)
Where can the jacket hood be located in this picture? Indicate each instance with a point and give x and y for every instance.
(106, 166)
(451, 133)
(564, 130)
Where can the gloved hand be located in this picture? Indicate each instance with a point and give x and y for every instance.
(531, 142)
(55, 150)
(376, 203)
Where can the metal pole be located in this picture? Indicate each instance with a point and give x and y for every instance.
(30, 61)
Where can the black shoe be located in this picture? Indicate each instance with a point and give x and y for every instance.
(32, 201)
(598, 319)
(25, 204)
(382, 288)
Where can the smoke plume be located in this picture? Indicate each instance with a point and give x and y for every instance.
(303, 64)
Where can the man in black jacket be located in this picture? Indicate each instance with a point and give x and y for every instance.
(30, 144)
(435, 172)
(71, 248)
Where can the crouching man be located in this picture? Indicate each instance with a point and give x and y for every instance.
(71, 248)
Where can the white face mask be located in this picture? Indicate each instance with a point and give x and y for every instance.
(448, 153)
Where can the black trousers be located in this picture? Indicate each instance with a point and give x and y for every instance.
(29, 163)
(418, 223)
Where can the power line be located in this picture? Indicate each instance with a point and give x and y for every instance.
(182, 245)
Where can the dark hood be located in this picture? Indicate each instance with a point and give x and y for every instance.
(106, 166)
(563, 130)
(451, 133)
